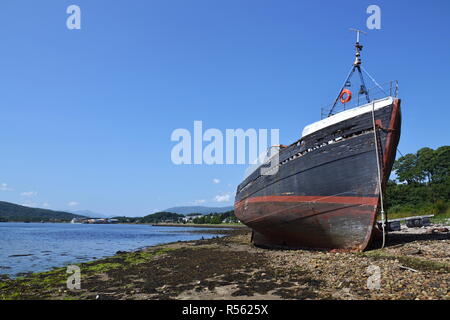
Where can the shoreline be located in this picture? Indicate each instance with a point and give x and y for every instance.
(195, 233)
(142, 224)
(414, 265)
(194, 225)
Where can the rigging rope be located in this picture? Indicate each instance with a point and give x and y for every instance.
(373, 80)
(379, 175)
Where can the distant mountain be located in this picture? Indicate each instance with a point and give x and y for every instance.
(198, 209)
(14, 212)
(90, 214)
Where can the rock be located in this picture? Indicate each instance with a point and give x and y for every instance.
(412, 251)
(439, 230)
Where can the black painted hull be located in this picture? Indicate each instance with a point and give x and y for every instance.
(323, 195)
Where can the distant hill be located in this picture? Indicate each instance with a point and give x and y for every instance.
(161, 217)
(199, 209)
(90, 214)
(14, 212)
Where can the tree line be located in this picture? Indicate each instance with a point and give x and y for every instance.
(217, 218)
(170, 217)
(422, 184)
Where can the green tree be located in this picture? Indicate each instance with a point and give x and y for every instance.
(426, 164)
(424, 186)
(442, 164)
(407, 170)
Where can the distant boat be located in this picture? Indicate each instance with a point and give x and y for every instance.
(325, 189)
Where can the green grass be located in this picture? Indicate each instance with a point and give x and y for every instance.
(134, 258)
(441, 218)
(440, 210)
(101, 267)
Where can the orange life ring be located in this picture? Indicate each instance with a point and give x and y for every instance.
(347, 98)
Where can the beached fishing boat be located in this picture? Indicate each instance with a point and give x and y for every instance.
(324, 191)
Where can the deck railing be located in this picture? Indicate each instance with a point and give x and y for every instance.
(377, 92)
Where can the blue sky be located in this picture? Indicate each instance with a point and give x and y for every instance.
(86, 115)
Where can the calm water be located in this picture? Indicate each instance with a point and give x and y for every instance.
(34, 247)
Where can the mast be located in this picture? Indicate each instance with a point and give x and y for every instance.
(355, 67)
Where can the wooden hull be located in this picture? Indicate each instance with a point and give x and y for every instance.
(323, 197)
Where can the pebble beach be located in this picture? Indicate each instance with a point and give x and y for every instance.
(415, 264)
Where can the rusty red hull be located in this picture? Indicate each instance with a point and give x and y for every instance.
(323, 197)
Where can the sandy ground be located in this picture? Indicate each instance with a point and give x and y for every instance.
(414, 265)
